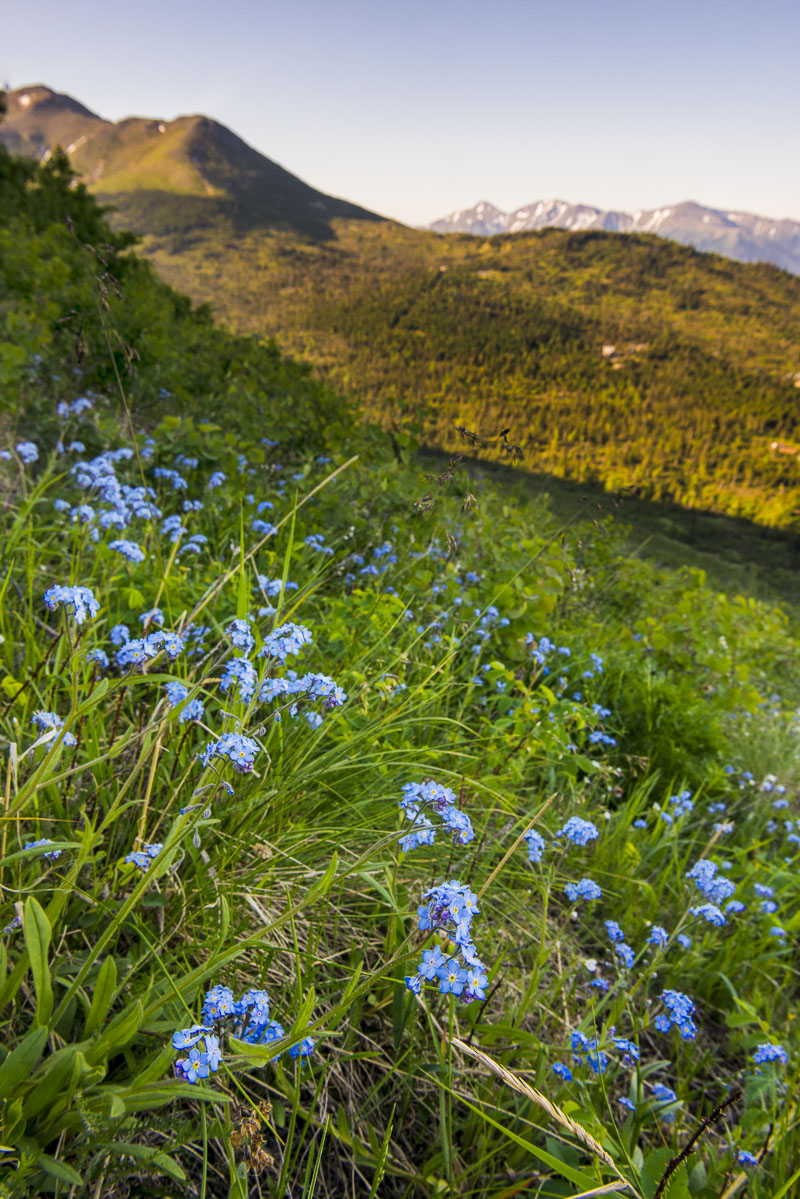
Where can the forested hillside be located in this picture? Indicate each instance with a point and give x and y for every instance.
(699, 382)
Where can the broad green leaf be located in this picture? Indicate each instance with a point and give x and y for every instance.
(51, 1081)
(102, 996)
(59, 1170)
(36, 928)
(653, 1171)
(20, 1062)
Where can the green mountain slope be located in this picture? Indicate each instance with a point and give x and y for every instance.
(622, 359)
(171, 177)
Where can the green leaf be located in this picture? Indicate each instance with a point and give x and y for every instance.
(653, 1171)
(380, 1165)
(59, 1170)
(257, 1055)
(120, 1031)
(36, 928)
(102, 997)
(322, 887)
(304, 1014)
(53, 1080)
(146, 1153)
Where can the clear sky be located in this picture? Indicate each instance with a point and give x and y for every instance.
(417, 108)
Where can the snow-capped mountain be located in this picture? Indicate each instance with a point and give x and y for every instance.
(740, 235)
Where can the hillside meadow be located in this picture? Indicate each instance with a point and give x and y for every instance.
(367, 831)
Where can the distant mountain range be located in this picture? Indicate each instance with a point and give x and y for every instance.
(167, 177)
(739, 235)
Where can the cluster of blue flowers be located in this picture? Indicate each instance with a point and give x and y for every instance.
(716, 887)
(48, 720)
(450, 909)
(241, 676)
(421, 799)
(585, 888)
(579, 831)
(247, 1019)
(681, 804)
(768, 1052)
(542, 648)
(679, 1012)
(136, 651)
(78, 602)
(621, 948)
(233, 747)
(128, 549)
(144, 856)
(65, 409)
(176, 694)
(536, 845)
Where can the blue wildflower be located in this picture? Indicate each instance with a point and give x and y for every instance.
(536, 845)
(238, 749)
(629, 1050)
(288, 639)
(128, 549)
(586, 888)
(710, 913)
(176, 692)
(78, 601)
(49, 720)
(578, 831)
(679, 1013)
(768, 1052)
(27, 451)
(142, 858)
(241, 634)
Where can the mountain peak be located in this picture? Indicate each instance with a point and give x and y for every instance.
(35, 95)
(166, 175)
(739, 235)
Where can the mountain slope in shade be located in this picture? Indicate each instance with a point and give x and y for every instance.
(739, 235)
(169, 176)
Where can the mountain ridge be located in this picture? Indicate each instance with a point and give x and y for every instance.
(743, 236)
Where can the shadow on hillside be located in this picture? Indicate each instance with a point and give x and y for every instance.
(737, 555)
(187, 219)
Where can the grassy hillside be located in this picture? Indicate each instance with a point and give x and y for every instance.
(363, 834)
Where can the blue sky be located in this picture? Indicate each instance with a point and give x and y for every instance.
(418, 108)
